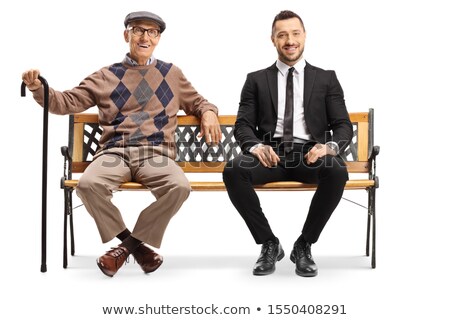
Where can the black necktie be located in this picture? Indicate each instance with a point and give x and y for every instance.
(288, 126)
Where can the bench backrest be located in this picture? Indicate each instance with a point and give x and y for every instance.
(194, 155)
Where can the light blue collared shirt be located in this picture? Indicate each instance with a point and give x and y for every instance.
(134, 63)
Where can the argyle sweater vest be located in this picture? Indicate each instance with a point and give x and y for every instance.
(137, 105)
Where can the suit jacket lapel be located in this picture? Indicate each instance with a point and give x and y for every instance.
(310, 75)
(272, 79)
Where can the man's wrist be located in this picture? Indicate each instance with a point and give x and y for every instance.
(333, 147)
(208, 111)
(36, 89)
(254, 147)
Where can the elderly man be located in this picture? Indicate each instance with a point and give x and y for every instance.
(138, 100)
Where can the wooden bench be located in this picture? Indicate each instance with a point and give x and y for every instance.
(194, 156)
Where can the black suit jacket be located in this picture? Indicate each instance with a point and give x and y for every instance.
(325, 113)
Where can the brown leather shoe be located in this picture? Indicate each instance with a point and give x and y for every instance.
(148, 259)
(111, 261)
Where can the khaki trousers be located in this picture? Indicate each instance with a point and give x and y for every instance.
(146, 165)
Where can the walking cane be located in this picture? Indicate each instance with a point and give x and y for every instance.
(44, 173)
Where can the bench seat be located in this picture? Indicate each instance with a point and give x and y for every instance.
(220, 186)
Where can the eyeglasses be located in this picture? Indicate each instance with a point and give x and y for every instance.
(139, 31)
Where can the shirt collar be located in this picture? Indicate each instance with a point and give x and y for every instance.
(134, 63)
(284, 68)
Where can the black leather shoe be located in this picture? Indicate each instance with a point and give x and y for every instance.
(271, 252)
(304, 263)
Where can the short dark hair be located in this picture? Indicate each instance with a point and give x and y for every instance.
(284, 15)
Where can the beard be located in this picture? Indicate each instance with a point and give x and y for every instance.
(291, 58)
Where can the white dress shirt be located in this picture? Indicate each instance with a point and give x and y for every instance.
(301, 132)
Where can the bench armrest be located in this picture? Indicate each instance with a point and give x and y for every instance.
(373, 163)
(65, 153)
(67, 173)
(374, 152)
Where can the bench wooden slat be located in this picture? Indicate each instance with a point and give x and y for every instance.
(219, 186)
(78, 132)
(225, 119)
(182, 119)
(217, 167)
(359, 116)
(85, 118)
(363, 140)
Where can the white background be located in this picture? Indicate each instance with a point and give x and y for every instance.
(389, 55)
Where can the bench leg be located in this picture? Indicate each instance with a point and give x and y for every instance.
(371, 222)
(373, 227)
(72, 233)
(66, 213)
(368, 233)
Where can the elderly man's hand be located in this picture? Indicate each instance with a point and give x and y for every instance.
(30, 78)
(210, 128)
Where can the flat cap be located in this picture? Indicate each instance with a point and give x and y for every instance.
(145, 15)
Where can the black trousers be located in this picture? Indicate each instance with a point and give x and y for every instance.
(244, 171)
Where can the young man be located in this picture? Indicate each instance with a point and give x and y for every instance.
(291, 124)
(138, 101)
